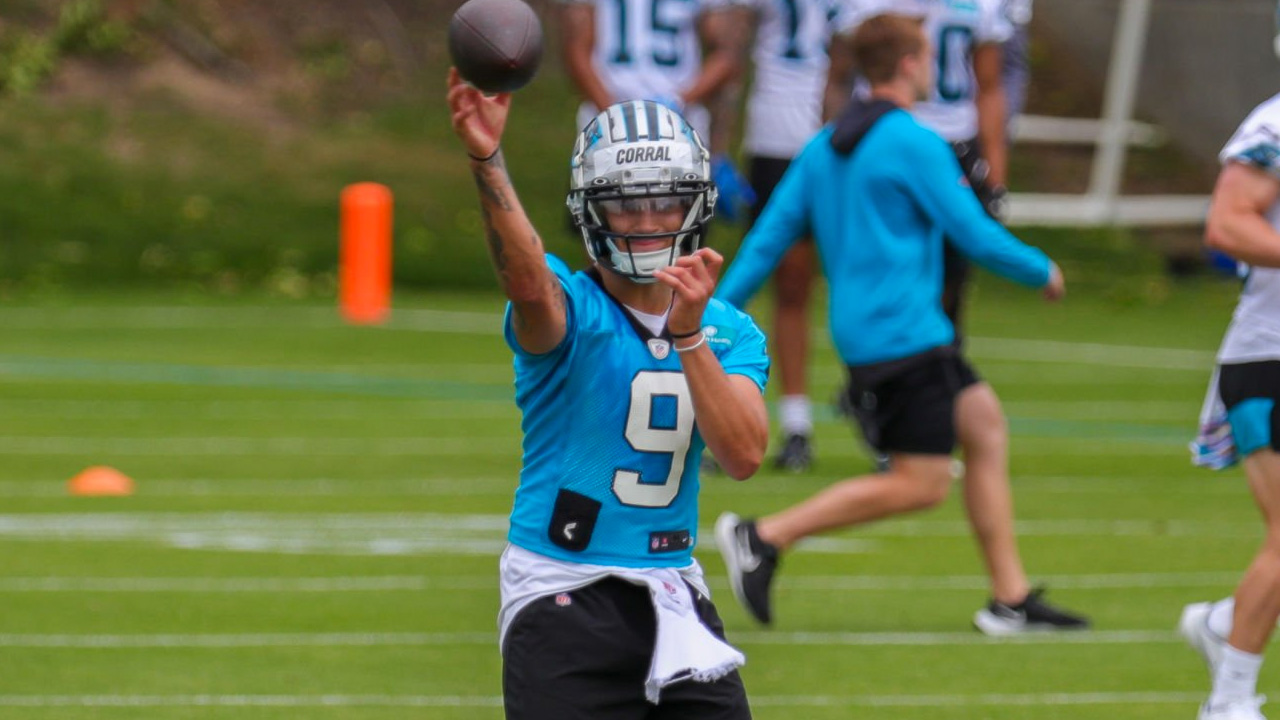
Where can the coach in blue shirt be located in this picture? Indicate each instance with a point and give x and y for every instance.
(878, 191)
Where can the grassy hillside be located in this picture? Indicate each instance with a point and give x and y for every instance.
(204, 146)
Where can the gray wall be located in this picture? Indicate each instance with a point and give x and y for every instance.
(1207, 62)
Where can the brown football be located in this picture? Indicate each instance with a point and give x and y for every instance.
(496, 44)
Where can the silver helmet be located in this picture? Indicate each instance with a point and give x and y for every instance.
(635, 154)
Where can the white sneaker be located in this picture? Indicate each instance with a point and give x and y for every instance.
(1194, 626)
(1243, 709)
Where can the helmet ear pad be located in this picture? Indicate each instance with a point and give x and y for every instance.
(631, 150)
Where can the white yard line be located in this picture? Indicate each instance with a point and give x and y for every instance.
(384, 639)
(490, 323)
(247, 446)
(467, 446)
(462, 534)
(494, 701)
(240, 410)
(1198, 482)
(488, 583)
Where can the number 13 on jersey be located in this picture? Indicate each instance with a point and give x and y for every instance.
(660, 420)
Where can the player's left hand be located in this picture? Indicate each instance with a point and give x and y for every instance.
(693, 278)
(736, 195)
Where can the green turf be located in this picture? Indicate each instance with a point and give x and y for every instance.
(319, 510)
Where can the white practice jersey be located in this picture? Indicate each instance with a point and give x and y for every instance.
(1018, 12)
(647, 50)
(790, 55)
(1254, 333)
(955, 28)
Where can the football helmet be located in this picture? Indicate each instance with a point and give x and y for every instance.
(634, 156)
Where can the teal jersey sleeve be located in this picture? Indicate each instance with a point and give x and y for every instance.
(934, 177)
(785, 220)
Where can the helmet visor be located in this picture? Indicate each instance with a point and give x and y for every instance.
(660, 204)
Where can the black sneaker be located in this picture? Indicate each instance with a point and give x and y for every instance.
(796, 454)
(750, 563)
(1032, 615)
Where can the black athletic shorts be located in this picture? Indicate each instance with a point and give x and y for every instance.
(908, 405)
(1251, 393)
(585, 655)
(955, 266)
(764, 174)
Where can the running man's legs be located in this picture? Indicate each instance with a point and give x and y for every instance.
(983, 433)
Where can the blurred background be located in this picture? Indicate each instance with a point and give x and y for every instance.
(316, 509)
(202, 144)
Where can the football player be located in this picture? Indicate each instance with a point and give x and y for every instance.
(1244, 223)
(623, 373)
(784, 110)
(617, 50)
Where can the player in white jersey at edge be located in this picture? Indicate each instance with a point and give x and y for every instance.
(784, 110)
(617, 50)
(1016, 64)
(1244, 223)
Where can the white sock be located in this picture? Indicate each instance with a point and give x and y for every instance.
(1236, 678)
(1220, 617)
(797, 419)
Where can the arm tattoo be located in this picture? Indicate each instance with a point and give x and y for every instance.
(494, 241)
(491, 193)
(558, 308)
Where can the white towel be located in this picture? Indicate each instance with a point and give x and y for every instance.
(1214, 446)
(684, 649)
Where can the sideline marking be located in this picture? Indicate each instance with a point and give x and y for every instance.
(411, 701)
(384, 639)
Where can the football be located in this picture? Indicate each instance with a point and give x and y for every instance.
(496, 44)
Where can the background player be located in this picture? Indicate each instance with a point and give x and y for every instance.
(784, 110)
(617, 50)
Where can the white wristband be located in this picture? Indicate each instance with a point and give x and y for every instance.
(702, 340)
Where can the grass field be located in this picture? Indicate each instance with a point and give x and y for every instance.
(320, 509)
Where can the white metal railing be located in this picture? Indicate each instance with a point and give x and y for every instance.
(1102, 203)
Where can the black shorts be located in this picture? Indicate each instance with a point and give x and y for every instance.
(764, 174)
(588, 659)
(1251, 393)
(908, 405)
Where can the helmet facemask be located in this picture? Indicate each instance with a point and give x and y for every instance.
(640, 158)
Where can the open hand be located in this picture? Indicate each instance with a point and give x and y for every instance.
(1056, 288)
(478, 119)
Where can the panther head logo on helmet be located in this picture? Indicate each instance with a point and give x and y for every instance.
(635, 156)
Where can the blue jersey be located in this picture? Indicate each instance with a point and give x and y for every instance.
(611, 451)
(878, 216)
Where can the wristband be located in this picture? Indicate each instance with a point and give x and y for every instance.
(681, 336)
(701, 341)
(496, 150)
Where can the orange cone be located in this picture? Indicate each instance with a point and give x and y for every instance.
(100, 481)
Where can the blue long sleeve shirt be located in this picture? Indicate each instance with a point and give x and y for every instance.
(878, 216)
